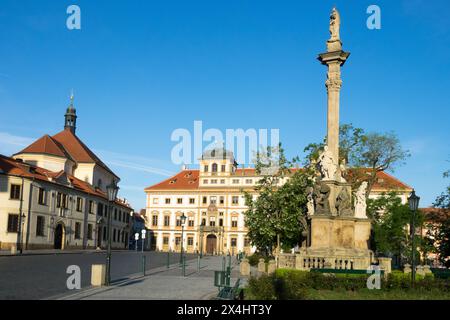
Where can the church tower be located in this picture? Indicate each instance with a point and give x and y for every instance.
(71, 117)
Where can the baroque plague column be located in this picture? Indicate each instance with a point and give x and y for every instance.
(339, 228)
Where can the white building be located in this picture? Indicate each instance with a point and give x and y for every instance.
(53, 195)
(213, 201)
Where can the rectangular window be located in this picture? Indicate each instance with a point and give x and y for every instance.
(233, 242)
(115, 214)
(180, 200)
(221, 222)
(166, 221)
(213, 200)
(222, 200)
(61, 200)
(192, 201)
(205, 181)
(212, 221)
(42, 196)
(155, 220)
(155, 200)
(165, 240)
(15, 192)
(114, 235)
(79, 204)
(190, 241)
(235, 181)
(40, 225)
(127, 217)
(222, 181)
(177, 241)
(205, 168)
(213, 181)
(234, 222)
(78, 231)
(235, 200)
(100, 209)
(91, 206)
(203, 222)
(105, 233)
(191, 221)
(246, 242)
(205, 200)
(223, 168)
(248, 181)
(13, 223)
(167, 200)
(89, 232)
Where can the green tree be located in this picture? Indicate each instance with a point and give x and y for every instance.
(390, 220)
(440, 225)
(276, 215)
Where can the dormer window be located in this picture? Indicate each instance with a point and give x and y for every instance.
(214, 167)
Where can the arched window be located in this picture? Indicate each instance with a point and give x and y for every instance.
(214, 167)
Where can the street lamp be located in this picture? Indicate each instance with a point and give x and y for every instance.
(112, 190)
(183, 220)
(413, 202)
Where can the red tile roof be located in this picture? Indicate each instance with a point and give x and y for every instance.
(14, 167)
(65, 144)
(188, 180)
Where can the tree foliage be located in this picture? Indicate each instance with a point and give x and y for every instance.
(278, 210)
(390, 220)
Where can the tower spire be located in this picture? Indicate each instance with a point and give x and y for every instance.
(70, 117)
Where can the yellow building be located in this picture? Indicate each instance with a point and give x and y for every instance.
(212, 200)
(53, 195)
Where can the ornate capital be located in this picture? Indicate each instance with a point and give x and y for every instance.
(333, 84)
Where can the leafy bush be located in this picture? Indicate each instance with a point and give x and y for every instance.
(287, 284)
(254, 258)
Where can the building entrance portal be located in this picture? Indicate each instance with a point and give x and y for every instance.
(211, 244)
(59, 237)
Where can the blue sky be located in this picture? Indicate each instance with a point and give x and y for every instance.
(141, 69)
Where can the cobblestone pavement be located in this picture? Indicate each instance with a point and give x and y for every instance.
(163, 283)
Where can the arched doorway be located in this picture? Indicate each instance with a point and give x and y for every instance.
(59, 236)
(211, 244)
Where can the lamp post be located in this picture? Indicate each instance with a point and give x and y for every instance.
(112, 190)
(182, 220)
(413, 202)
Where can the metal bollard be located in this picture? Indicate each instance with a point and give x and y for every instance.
(143, 265)
(168, 259)
(198, 263)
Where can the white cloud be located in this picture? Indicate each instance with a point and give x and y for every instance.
(10, 144)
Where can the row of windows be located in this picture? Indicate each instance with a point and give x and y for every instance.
(190, 241)
(190, 221)
(212, 200)
(13, 226)
(215, 168)
(62, 201)
(117, 235)
(222, 181)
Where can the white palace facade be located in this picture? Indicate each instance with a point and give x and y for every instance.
(213, 201)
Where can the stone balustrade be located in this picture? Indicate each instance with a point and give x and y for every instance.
(303, 261)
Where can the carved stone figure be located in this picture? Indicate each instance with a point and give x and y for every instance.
(310, 204)
(321, 195)
(360, 201)
(335, 23)
(343, 170)
(326, 164)
(344, 203)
